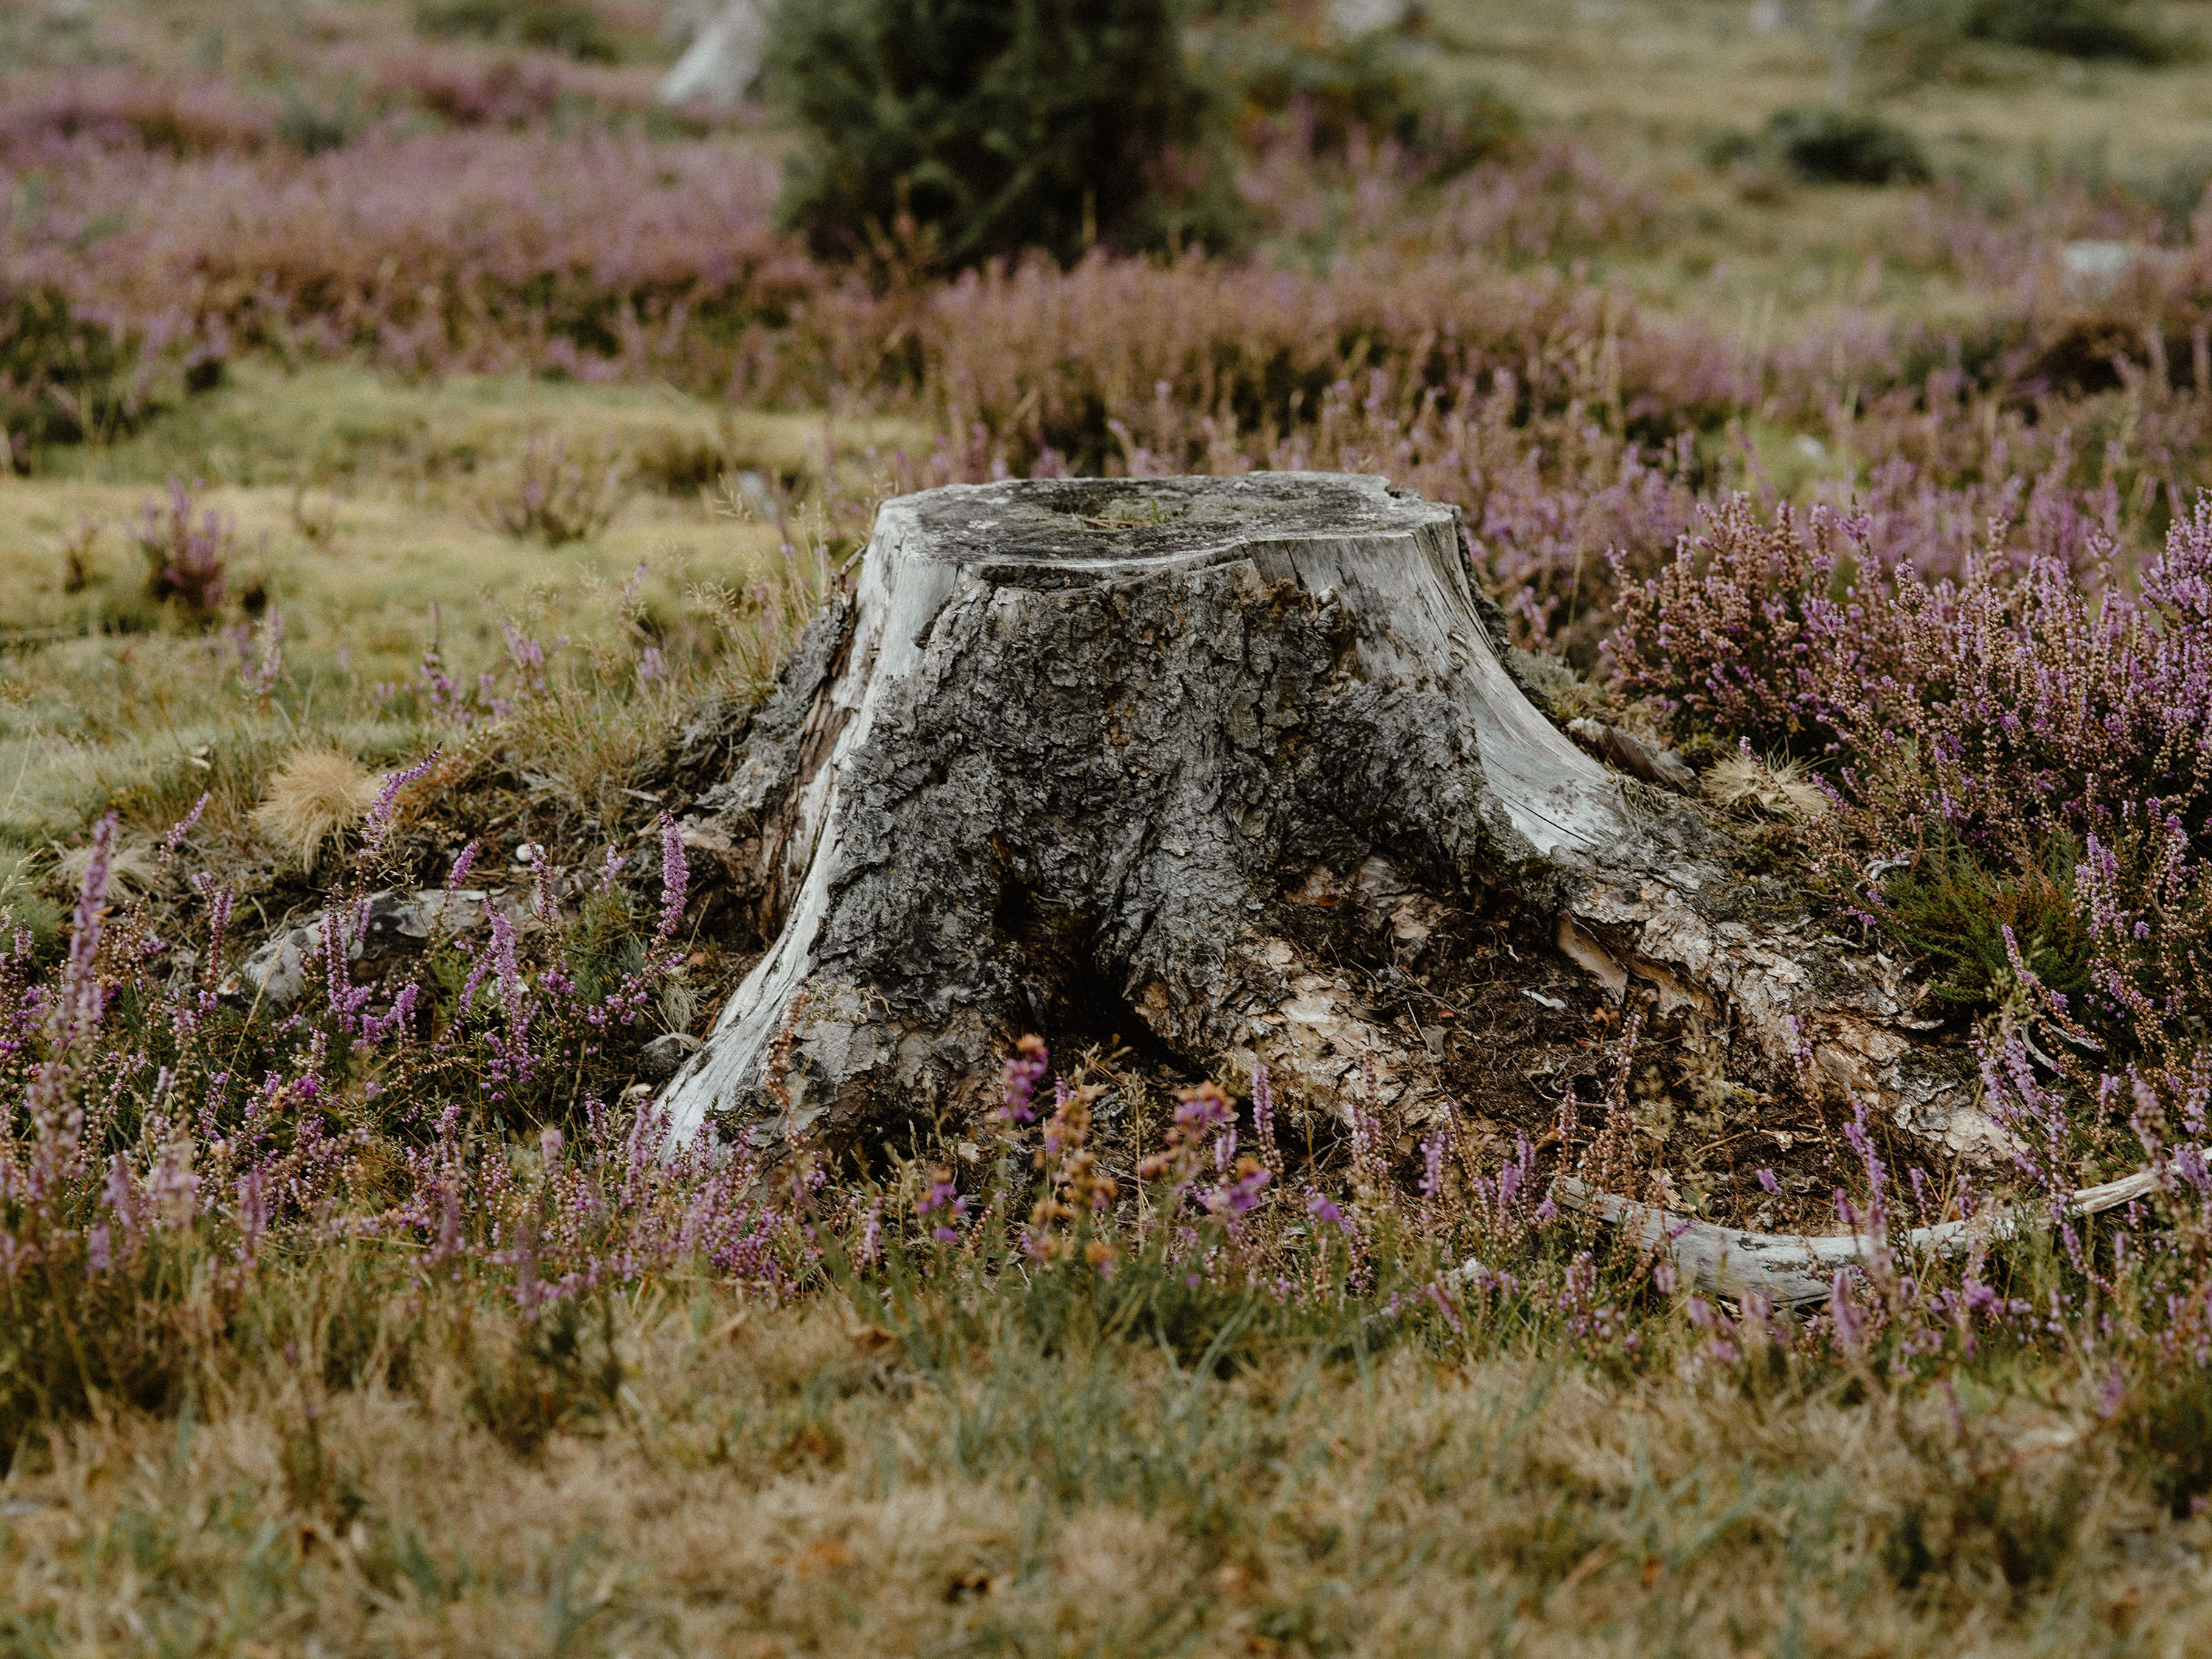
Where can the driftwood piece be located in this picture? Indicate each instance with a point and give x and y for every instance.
(1631, 753)
(1067, 747)
(1794, 1271)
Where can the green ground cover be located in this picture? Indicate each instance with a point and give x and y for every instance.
(384, 1343)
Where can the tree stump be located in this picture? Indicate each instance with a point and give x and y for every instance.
(1076, 745)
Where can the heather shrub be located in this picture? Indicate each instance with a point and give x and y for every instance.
(187, 563)
(988, 126)
(122, 109)
(2025, 749)
(2012, 689)
(312, 125)
(2044, 698)
(166, 1125)
(1183, 360)
(597, 255)
(555, 498)
(510, 92)
(1749, 627)
(2076, 28)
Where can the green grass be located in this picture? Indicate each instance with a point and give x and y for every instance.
(1656, 85)
(361, 509)
(363, 1458)
(950, 1472)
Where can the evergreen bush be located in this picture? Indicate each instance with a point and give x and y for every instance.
(63, 377)
(1844, 147)
(2077, 29)
(993, 127)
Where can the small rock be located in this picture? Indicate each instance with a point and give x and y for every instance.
(399, 924)
(723, 60)
(658, 1061)
(2093, 267)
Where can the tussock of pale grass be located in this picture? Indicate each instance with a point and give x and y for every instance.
(131, 869)
(316, 794)
(1780, 788)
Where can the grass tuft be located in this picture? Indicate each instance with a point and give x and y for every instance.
(1782, 787)
(317, 794)
(131, 869)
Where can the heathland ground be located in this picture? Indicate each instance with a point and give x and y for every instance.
(414, 432)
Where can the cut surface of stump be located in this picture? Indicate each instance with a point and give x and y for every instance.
(1071, 751)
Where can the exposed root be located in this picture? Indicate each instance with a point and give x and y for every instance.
(1796, 1271)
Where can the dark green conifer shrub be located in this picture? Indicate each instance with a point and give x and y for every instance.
(993, 127)
(1823, 145)
(63, 377)
(2077, 29)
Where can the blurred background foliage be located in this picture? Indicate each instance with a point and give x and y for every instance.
(990, 127)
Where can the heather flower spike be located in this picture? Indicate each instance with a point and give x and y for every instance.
(458, 875)
(378, 824)
(1024, 1069)
(175, 838)
(675, 879)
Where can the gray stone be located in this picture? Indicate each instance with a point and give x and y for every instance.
(399, 926)
(723, 60)
(1350, 19)
(2092, 269)
(657, 1061)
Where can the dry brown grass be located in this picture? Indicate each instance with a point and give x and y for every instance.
(1782, 787)
(131, 868)
(794, 1481)
(316, 794)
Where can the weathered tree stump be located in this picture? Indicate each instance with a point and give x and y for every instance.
(1083, 740)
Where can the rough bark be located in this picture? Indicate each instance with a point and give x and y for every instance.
(1075, 745)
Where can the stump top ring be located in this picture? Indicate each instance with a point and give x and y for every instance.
(1071, 528)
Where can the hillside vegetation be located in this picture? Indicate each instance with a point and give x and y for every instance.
(420, 449)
